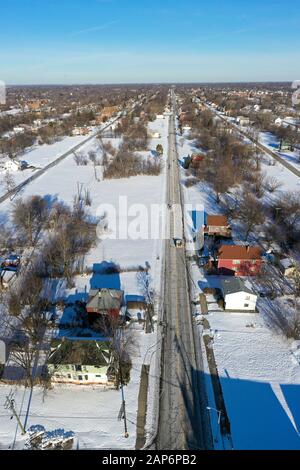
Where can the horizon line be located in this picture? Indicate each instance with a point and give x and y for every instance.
(149, 83)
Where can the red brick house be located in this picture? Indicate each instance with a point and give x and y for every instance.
(217, 225)
(197, 157)
(239, 260)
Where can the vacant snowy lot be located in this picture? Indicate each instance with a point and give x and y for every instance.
(91, 413)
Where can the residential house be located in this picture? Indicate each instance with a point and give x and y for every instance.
(243, 121)
(217, 225)
(237, 296)
(197, 157)
(107, 112)
(239, 260)
(80, 362)
(19, 130)
(36, 105)
(154, 135)
(136, 307)
(80, 131)
(287, 267)
(12, 165)
(107, 302)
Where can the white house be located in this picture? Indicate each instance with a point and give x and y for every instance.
(155, 135)
(12, 165)
(237, 296)
(243, 120)
(19, 130)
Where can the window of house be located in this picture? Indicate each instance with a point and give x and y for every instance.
(78, 368)
(246, 305)
(98, 376)
(86, 377)
(69, 376)
(236, 261)
(247, 297)
(80, 377)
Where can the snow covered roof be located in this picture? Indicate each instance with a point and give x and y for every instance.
(80, 352)
(287, 263)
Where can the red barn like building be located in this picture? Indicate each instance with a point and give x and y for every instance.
(239, 260)
(104, 302)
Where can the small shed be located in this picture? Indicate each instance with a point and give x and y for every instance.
(287, 267)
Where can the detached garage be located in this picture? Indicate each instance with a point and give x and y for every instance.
(238, 297)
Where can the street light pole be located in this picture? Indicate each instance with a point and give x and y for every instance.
(219, 412)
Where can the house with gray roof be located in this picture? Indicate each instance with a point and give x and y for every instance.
(237, 296)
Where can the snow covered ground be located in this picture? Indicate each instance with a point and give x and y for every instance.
(259, 370)
(272, 142)
(39, 156)
(91, 413)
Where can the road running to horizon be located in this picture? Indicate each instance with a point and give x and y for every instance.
(183, 417)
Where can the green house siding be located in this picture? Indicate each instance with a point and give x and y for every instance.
(70, 373)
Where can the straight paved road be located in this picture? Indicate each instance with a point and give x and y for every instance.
(183, 418)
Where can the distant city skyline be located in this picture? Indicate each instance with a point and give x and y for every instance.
(116, 41)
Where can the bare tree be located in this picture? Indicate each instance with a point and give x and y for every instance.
(9, 181)
(145, 284)
(272, 184)
(29, 216)
(250, 212)
(123, 344)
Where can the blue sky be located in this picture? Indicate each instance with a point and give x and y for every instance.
(119, 41)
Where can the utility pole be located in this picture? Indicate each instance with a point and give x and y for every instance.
(122, 414)
(10, 405)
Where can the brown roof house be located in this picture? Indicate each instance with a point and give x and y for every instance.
(217, 225)
(239, 260)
